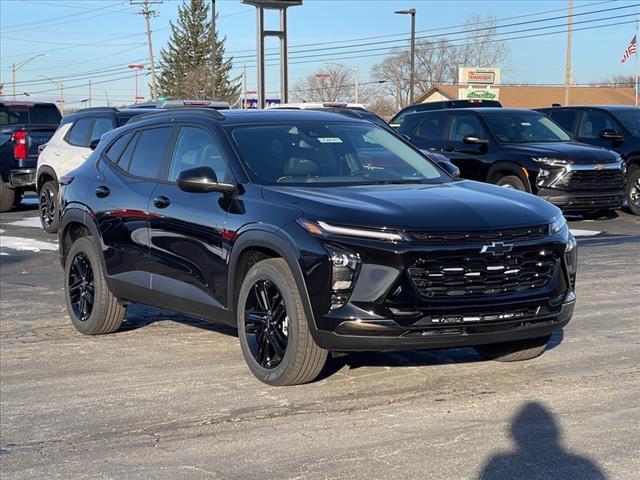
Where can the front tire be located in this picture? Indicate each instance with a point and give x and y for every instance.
(512, 181)
(7, 196)
(633, 191)
(91, 305)
(514, 351)
(48, 207)
(273, 327)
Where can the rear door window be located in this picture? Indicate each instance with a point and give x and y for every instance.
(150, 152)
(79, 133)
(432, 128)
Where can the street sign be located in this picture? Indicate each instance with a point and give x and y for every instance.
(470, 93)
(162, 99)
(478, 76)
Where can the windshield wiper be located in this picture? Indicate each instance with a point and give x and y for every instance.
(397, 182)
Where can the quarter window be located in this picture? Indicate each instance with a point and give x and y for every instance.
(79, 133)
(149, 152)
(117, 147)
(196, 148)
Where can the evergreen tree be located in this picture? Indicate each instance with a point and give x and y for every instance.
(186, 66)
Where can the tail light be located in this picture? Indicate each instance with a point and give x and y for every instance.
(21, 145)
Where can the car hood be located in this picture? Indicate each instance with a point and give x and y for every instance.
(458, 205)
(572, 151)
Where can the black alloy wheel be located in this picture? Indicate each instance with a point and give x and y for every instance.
(633, 192)
(81, 287)
(266, 324)
(47, 206)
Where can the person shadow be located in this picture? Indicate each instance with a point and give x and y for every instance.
(539, 453)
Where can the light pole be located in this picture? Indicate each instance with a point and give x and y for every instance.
(61, 87)
(412, 12)
(15, 67)
(135, 68)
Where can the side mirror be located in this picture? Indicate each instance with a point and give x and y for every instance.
(450, 168)
(474, 139)
(94, 144)
(202, 180)
(612, 135)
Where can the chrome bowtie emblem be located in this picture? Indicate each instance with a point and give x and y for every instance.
(497, 248)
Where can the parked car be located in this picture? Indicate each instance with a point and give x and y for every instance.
(316, 106)
(215, 104)
(523, 150)
(275, 223)
(24, 127)
(399, 117)
(67, 149)
(615, 127)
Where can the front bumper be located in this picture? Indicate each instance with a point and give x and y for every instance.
(23, 178)
(578, 201)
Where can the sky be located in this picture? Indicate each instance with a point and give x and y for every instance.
(78, 40)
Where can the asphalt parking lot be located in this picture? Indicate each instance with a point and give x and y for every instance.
(169, 396)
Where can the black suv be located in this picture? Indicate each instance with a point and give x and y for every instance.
(523, 150)
(400, 117)
(311, 232)
(615, 127)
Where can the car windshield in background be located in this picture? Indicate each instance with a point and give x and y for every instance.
(335, 153)
(525, 128)
(630, 119)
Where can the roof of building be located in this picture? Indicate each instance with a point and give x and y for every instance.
(532, 96)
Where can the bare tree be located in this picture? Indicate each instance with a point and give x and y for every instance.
(438, 60)
(333, 83)
(616, 81)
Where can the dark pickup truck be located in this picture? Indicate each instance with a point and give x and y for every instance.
(24, 127)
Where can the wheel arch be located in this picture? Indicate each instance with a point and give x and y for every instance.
(271, 244)
(45, 173)
(77, 221)
(505, 167)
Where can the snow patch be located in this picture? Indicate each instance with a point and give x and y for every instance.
(584, 233)
(27, 222)
(26, 244)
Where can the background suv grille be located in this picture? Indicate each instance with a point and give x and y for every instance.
(593, 179)
(467, 274)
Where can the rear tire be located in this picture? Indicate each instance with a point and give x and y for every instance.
(512, 181)
(514, 351)
(268, 301)
(48, 207)
(7, 197)
(91, 305)
(17, 197)
(633, 192)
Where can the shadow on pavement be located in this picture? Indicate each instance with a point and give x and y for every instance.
(608, 240)
(538, 453)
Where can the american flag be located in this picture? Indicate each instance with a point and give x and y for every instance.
(631, 49)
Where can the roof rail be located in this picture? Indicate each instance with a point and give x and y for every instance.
(209, 112)
(98, 109)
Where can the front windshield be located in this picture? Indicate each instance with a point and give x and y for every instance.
(525, 127)
(631, 120)
(329, 154)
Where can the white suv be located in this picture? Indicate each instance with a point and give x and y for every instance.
(69, 146)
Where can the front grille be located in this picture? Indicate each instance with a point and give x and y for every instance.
(593, 180)
(525, 269)
(526, 233)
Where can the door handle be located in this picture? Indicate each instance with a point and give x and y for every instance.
(161, 202)
(102, 191)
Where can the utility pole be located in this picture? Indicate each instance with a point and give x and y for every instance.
(89, 99)
(412, 12)
(214, 73)
(357, 83)
(244, 87)
(16, 67)
(567, 78)
(148, 13)
(135, 68)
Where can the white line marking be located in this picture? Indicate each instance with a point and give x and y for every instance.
(585, 233)
(27, 222)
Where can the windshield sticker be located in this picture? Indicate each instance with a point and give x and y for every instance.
(329, 140)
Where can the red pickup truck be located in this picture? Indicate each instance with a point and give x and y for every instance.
(24, 128)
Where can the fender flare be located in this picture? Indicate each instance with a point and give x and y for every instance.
(273, 240)
(79, 213)
(511, 167)
(45, 169)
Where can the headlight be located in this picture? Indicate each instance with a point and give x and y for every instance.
(557, 225)
(345, 267)
(571, 258)
(322, 228)
(556, 162)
